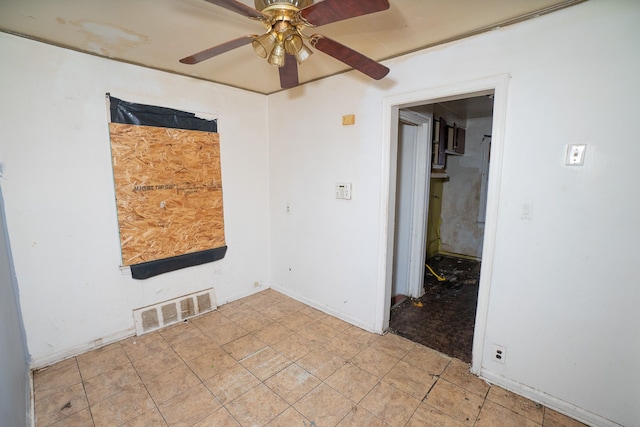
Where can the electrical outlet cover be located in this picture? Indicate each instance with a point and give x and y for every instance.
(499, 354)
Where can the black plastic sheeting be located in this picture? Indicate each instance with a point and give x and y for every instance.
(129, 113)
(160, 266)
(149, 115)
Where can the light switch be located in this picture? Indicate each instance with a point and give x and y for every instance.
(575, 154)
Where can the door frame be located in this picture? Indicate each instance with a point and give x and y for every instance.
(419, 199)
(498, 86)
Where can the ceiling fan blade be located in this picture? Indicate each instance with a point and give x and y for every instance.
(238, 7)
(330, 11)
(216, 50)
(365, 65)
(289, 73)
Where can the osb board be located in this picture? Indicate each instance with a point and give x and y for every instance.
(168, 191)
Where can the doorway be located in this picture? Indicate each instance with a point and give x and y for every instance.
(462, 248)
(441, 315)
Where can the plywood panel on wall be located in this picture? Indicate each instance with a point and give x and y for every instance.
(168, 191)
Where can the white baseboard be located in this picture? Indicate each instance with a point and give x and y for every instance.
(547, 400)
(227, 299)
(103, 341)
(351, 320)
(82, 348)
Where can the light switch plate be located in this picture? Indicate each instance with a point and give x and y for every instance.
(575, 154)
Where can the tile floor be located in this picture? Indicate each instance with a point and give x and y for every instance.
(268, 360)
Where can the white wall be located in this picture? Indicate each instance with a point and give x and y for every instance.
(564, 290)
(460, 231)
(60, 201)
(325, 251)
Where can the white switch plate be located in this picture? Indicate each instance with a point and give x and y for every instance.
(575, 154)
(343, 190)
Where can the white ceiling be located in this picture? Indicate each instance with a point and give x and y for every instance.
(157, 33)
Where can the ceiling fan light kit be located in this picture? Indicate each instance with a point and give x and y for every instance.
(285, 21)
(284, 26)
(263, 44)
(276, 57)
(303, 54)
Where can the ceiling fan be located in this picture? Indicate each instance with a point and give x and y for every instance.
(284, 42)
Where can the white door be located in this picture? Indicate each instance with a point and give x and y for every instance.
(412, 198)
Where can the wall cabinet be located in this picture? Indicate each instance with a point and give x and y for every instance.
(448, 139)
(455, 140)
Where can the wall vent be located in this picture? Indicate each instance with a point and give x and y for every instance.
(165, 313)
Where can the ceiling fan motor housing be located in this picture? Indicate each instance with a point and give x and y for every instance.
(299, 4)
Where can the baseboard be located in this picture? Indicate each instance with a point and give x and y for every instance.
(81, 348)
(369, 327)
(226, 300)
(101, 342)
(549, 401)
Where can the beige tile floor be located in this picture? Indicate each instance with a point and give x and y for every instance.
(268, 360)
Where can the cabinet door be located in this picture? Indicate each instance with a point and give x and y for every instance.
(451, 138)
(459, 144)
(439, 142)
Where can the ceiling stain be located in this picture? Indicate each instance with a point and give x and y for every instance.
(106, 39)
